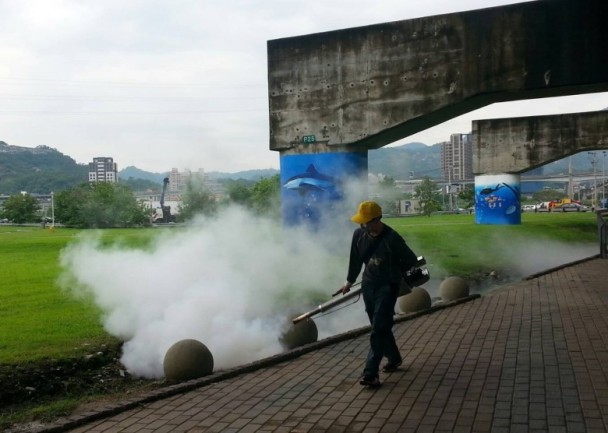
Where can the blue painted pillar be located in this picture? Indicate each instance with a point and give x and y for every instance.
(314, 186)
(497, 199)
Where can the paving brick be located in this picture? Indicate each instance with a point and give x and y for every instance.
(529, 357)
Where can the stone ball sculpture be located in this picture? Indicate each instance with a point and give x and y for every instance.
(299, 334)
(453, 288)
(187, 359)
(418, 300)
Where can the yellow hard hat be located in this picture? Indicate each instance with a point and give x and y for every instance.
(368, 210)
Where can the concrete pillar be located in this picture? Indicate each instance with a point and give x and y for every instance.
(497, 199)
(316, 187)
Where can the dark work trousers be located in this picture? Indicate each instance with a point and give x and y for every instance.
(380, 307)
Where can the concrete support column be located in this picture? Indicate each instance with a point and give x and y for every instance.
(318, 188)
(497, 199)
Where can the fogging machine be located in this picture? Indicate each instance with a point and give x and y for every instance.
(413, 277)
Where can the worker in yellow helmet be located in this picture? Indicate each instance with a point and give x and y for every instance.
(384, 253)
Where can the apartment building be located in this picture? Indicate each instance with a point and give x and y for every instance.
(103, 169)
(457, 159)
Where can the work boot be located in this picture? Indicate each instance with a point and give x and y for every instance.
(371, 381)
(391, 367)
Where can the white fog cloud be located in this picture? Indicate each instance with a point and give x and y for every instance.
(231, 283)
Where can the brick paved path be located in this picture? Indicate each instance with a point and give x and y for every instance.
(530, 357)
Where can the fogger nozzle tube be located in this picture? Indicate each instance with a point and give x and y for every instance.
(413, 278)
(329, 305)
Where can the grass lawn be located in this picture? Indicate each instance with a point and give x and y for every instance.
(458, 246)
(40, 321)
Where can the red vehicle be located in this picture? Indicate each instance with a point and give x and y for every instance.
(556, 205)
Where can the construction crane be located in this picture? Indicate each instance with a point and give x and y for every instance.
(166, 210)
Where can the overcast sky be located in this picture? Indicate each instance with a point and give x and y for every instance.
(180, 83)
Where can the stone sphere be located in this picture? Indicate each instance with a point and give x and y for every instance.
(187, 359)
(453, 288)
(418, 300)
(299, 334)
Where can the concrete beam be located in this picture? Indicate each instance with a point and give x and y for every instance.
(365, 87)
(520, 144)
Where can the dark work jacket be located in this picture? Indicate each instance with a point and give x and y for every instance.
(384, 266)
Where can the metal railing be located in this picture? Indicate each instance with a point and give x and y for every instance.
(602, 226)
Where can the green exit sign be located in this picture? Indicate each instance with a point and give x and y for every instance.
(309, 139)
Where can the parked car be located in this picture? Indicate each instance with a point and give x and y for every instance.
(571, 207)
(542, 207)
(528, 208)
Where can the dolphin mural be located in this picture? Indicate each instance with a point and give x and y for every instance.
(313, 186)
(315, 192)
(311, 179)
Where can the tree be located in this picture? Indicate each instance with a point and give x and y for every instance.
(266, 196)
(387, 182)
(197, 199)
(141, 184)
(100, 205)
(428, 195)
(548, 195)
(389, 195)
(240, 193)
(467, 195)
(21, 208)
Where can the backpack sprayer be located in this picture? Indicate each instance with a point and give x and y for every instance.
(413, 277)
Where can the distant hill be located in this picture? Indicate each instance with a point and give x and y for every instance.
(37, 170)
(43, 169)
(395, 161)
(252, 175)
(421, 160)
(411, 159)
(136, 173)
(249, 175)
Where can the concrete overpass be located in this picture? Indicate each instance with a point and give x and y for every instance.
(515, 145)
(365, 87)
(334, 95)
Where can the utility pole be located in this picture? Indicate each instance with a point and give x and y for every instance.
(593, 163)
(52, 210)
(570, 185)
(450, 187)
(604, 177)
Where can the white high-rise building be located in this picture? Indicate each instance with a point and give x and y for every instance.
(177, 180)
